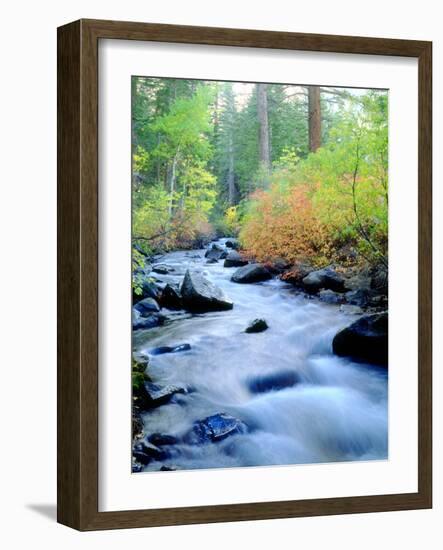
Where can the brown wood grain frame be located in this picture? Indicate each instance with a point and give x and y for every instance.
(77, 173)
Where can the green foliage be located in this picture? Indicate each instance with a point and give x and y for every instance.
(139, 376)
(196, 169)
(333, 197)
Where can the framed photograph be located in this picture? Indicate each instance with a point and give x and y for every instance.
(244, 275)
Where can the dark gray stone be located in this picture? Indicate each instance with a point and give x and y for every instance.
(365, 340)
(252, 273)
(150, 321)
(147, 306)
(232, 243)
(257, 325)
(233, 259)
(326, 278)
(200, 295)
(171, 298)
(331, 297)
(358, 297)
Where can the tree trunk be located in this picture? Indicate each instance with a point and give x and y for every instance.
(232, 191)
(314, 118)
(172, 176)
(262, 112)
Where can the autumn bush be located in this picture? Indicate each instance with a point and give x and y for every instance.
(285, 225)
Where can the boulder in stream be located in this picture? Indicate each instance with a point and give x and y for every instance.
(171, 298)
(200, 295)
(252, 273)
(233, 259)
(163, 269)
(365, 340)
(147, 306)
(214, 428)
(155, 394)
(216, 252)
(257, 325)
(326, 278)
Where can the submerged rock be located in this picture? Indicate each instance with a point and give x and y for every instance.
(273, 382)
(233, 259)
(326, 278)
(147, 306)
(365, 340)
(257, 325)
(212, 261)
(167, 349)
(214, 428)
(200, 295)
(252, 273)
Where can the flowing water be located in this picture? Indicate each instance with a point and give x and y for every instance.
(336, 412)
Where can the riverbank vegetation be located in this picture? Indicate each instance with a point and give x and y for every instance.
(297, 173)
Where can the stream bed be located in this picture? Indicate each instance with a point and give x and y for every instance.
(325, 408)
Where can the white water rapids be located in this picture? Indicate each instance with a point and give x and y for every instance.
(336, 412)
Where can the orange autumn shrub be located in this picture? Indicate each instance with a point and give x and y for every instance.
(285, 225)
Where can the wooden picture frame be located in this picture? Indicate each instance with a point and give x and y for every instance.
(78, 274)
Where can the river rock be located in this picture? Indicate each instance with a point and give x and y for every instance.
(326, 278)
(156, 394)
(167, 349)
(257, 325)
(150, 321)
(216, 252)
(358, 297)
(331, 297)
(146, 288)
(163, 269)
(273, 382)
(171, 298)
(200, 295)
(160, 440)
(252, 273)
(214, 428)
(232, 243)
(144, 452)
(296, 274)
(147, 306)
(233, 259)
(212, 261)
(365, 340)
